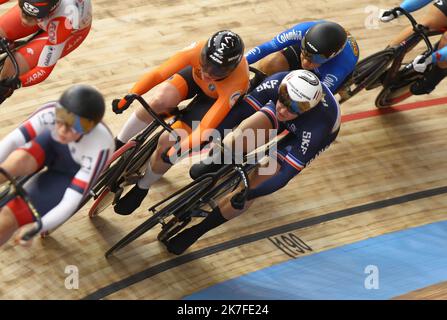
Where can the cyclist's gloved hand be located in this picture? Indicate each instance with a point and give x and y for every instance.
(7, 88)
(118, 106)
(420, 63)
(238, 201)
(389, 15)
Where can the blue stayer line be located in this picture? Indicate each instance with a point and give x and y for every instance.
(406, 261)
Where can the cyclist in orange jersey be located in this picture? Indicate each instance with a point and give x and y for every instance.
(215, 72)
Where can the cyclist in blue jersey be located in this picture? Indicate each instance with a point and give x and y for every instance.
(434, 19)
(321, 46)
(297, 102)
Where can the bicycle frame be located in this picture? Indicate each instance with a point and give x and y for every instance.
(369, 71)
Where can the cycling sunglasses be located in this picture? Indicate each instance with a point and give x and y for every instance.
(75, 122)
(295, 107)
(215, 71)
(314, 57)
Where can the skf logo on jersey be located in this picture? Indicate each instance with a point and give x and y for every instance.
(305, 143)
(30, 9)
(234, 97)
(271, 84)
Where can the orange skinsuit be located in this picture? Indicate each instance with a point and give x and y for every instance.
(226, 91)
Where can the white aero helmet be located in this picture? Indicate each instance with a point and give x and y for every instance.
(300, 91)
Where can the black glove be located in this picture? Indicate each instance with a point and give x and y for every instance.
(238, 201)
(13, 83)
(117, 109)
(5, 92)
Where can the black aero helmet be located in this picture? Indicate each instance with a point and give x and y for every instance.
(222, 53)
(81, 107)
(323, 41)
(37, 8)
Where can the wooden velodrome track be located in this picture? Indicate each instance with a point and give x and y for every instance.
(374, 158)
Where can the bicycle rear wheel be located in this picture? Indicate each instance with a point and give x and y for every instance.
(366, 74)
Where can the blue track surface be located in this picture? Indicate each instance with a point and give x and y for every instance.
(406, 260)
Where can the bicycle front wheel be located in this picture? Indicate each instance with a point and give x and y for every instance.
(399, 90)
(175, 204)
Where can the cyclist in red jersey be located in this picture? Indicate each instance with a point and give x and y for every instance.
(64, 23)
(215, 72)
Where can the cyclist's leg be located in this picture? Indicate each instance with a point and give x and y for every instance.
(158, 165)
(288, 59)
(27, 57)
(163, 98)
(237, 138)
(238, 113)
(219, 215)
(225, 211)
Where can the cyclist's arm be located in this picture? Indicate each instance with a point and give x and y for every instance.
(276, 182)
(167, 69)
(292, 165)
(42, 120)
(283, 40)
(413, 5)
(79, 186)
(51, 53)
